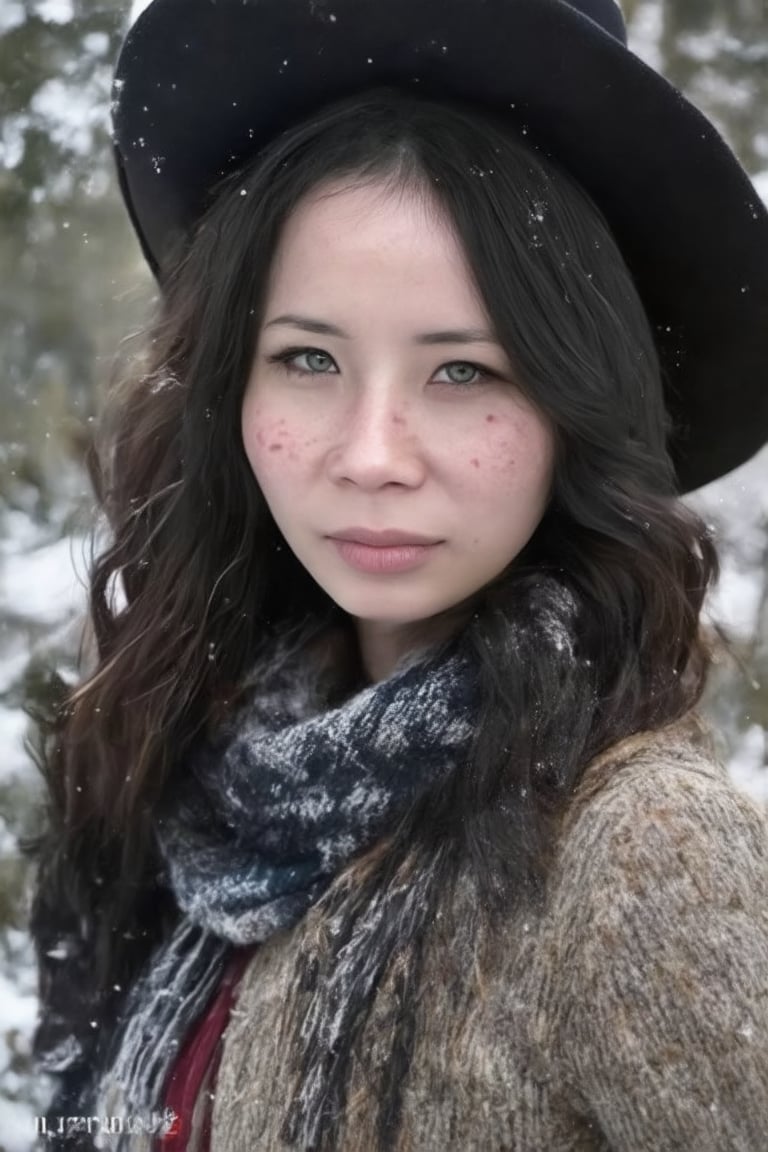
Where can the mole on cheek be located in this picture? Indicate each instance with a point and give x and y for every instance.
(475, 462)
(278, 433)
(263, 438)
(275, 445)
(490, 418)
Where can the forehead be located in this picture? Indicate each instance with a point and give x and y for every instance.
(376, 266)
(358, 198)
(371, 230)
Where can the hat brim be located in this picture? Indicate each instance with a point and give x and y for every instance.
(201, 87)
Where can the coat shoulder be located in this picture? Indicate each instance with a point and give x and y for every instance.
(658, 931)
(657, 816)
(675, 768)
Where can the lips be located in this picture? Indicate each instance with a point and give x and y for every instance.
(387, 538)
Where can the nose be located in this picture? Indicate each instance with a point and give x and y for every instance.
(377, 442)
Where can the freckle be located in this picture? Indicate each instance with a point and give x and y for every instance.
(398, 419)
(490, 418)
(275, 447)
(475, 462)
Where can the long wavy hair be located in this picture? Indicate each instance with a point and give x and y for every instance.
(196, 574)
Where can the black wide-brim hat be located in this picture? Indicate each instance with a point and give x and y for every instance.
(202, 85)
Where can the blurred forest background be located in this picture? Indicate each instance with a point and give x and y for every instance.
(74, 288)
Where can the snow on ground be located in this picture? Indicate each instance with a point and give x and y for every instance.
(42, 584)
(747, 764)
(17, 1126)
(18, 1015)
(737, 504)
(41, 591)
(40, 579)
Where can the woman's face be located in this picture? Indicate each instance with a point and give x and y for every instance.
(385, 416)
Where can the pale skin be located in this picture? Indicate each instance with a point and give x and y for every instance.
(385, 431)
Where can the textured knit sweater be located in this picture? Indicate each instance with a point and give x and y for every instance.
(629, 1013)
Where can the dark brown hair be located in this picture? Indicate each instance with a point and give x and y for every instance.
(206, 576)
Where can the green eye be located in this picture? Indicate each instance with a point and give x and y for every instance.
(322, 356)
(463, 365)
(286, 361)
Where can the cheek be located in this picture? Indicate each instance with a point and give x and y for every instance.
(268, 439)
(518, 449)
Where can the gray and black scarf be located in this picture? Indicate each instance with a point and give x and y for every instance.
(269, 811)
(267, 814)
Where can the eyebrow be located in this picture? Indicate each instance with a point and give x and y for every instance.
(448, 336)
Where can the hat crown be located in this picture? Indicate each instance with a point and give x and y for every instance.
(607, 14)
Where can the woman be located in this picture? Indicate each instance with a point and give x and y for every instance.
(361, 841)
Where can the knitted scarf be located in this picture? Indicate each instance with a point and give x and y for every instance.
(266, 815)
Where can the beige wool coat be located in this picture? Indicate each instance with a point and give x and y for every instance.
(630, 1014)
